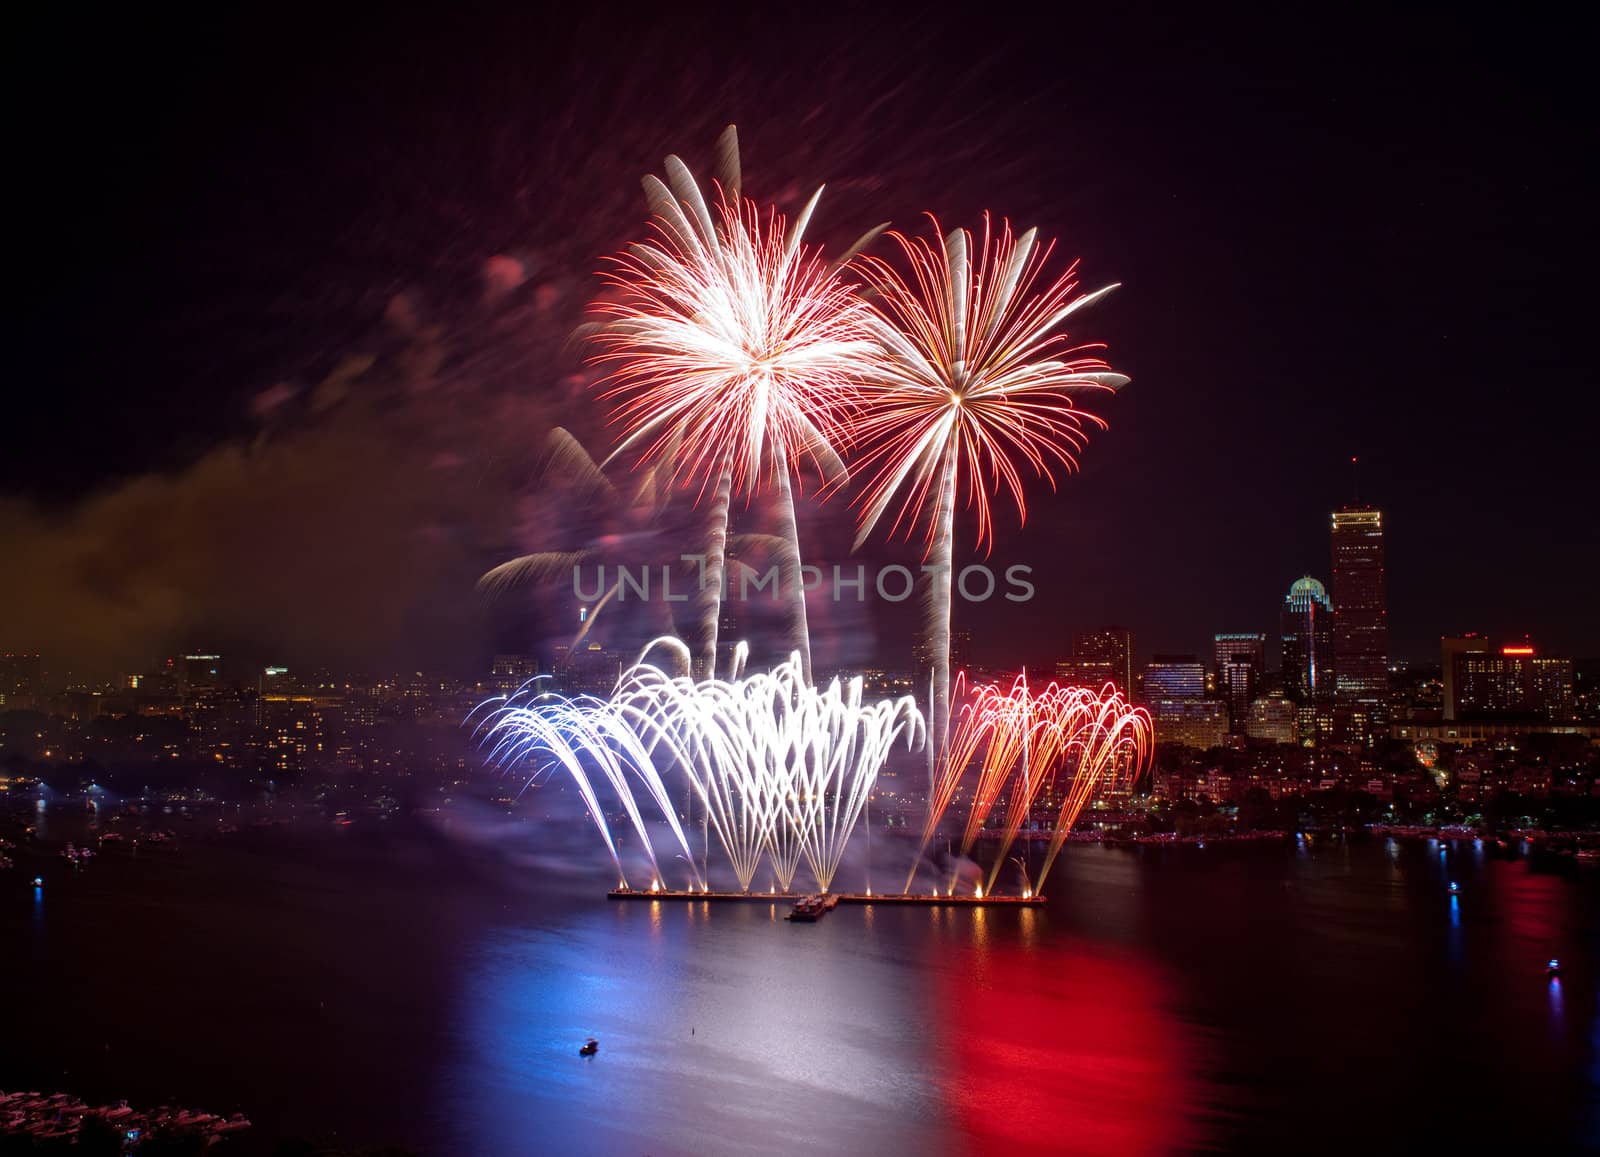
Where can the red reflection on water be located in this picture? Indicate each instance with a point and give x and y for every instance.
(1065, 1049)
(1531, 901)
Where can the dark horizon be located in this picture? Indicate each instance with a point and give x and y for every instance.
(1369, 240)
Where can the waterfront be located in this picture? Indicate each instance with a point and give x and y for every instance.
(409, 985)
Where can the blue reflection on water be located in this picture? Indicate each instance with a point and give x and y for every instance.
(712, 1021)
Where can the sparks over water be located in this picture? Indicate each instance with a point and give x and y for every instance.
(1051, 748)
(973, 383)
(781, 769)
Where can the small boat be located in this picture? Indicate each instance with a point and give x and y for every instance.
(589, 1048)
(1454, 887)
(1553, 969)
(808, 910)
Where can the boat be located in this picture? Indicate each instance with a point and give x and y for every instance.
(589, 1048)
(809, 909)
(1553, 969)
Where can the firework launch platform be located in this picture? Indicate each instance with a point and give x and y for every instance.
(925, 900)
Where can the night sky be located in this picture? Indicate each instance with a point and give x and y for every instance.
(297, 290)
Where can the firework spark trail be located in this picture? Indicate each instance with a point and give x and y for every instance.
(727, 336)
(1111, 732)
(1016, 716)
(1046, 742)
(783, 769)
(972, 383)
(1028, 746)
(576, 732)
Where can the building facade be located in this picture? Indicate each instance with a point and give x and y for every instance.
(1194, 722)
(1174, 677)
(1360, 625)
(1306, 643)
(1241, 664)
(1450, 647)
(1110, 645)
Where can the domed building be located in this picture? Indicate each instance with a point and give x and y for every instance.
(1307, 642)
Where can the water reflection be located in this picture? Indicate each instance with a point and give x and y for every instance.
(744, 1033)
(1068, 1049)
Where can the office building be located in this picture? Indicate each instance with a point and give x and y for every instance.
(1450, 646)
(1360, 625)
(1273, 719)
(1193, 722)
(1240, 659)
(510, 673)
(1094, 673)
(199, 673)
(1513, 682)
(1306, 642)
(1552, 689)
(1110, 645)
(1174, 677)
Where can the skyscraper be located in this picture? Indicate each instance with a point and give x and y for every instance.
(1360, 624)
(1113, 645)
(1307, 642)
(1232, 647)
(1240, 663)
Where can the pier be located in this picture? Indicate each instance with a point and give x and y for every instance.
(925, 900)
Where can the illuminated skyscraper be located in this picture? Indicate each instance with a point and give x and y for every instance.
(1307, 643)
(1240, 662)
(201, 673)
(1110, 645)
(1360, 624)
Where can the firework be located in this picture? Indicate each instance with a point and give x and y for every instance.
(972, 385)
(1030, 749)
(729, 340)
(580, 736)
(782, 770)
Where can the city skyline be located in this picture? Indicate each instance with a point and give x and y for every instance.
(369, 307)
(771, 579)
